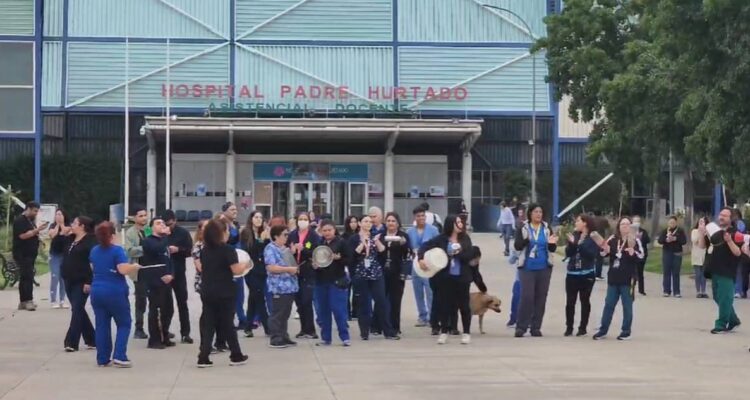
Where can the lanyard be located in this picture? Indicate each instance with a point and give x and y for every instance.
(538, 232)
(620, 247)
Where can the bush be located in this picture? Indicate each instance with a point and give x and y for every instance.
(81, 185)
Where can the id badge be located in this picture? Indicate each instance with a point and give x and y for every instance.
(367, 263)
(710, 249)
(532, 253)
(616, 263)
(579, 262)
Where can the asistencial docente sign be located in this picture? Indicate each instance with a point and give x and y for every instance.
(310, 97)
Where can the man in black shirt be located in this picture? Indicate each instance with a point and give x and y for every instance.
(158, 274)
(25, 250)
(722, 258)
(180, 248)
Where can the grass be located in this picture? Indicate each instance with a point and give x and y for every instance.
(653, 264)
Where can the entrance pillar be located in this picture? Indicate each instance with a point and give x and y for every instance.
(230, 182)
(388, 183)
(151, 180)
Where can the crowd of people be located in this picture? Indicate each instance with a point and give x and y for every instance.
(722, 256)
(371, 260)
(373, 257)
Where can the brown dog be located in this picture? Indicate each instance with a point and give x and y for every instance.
(481, 303)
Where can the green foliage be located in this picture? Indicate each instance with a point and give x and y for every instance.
(658, 77)
(81, 185)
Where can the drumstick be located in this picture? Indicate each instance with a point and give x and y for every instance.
(152, 266)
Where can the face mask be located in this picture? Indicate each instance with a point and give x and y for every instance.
(303, 224)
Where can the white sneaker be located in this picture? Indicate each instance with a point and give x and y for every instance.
(465, 338)
(56, 305)
(122, 363)
(443, 338)
(64, 305)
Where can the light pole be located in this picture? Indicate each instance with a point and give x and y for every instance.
(532, 142)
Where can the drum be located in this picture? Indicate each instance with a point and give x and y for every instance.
(322, 256)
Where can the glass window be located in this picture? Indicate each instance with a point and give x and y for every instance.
(16, 109)
(16, 63)
(16, 86)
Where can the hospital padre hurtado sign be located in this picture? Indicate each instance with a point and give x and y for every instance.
(298, 97)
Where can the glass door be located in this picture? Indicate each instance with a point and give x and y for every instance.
(320, 198)
(300, 197)
(339, 201)
(357, 198)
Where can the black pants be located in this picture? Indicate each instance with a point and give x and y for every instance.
(256, 301)
(304, 301)
(80, 323)
(179, 285)
(354, 304)
(394, 290)
(454, 297)
(434, 319)
(578, 287)
(599, 266)
(25, 277)
(160, 312)
(640, 267)
(141, 301)
(218, 316)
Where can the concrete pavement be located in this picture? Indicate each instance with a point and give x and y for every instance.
(671, 356)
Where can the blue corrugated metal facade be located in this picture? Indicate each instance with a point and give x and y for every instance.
(384, 53)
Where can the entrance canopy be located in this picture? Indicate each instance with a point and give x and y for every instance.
(444, 132)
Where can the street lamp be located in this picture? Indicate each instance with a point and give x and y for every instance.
(532, 142)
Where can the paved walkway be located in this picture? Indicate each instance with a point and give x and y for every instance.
(672, 356)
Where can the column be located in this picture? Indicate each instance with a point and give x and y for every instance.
(388, 182)
(231, 182)
(151, 180)
(466, 181)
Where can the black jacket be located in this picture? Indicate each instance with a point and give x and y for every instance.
(255, 250)
(587, 250)
(180, 238)
(395, 259)
(645, 242)
(465, 256)
(155, 251)
(76, 267)
(311, 242)
(622, 274)
(337, 269)
(676, 246)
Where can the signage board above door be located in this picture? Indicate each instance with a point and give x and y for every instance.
(286, 171)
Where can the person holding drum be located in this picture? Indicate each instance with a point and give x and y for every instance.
(302, 241)
(219, 266)
(369, 280)
(329, 260)
(453, 281)
(397, 266)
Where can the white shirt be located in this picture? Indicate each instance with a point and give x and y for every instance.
(697, 254)
(506, 217)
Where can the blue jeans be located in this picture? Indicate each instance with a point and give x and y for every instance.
(80, 324)
(671, 264)
(239, 303)
(423, 296)
(507, 231)
(369, 291)
(614, 294)
(111, 304)
(515, 301)
(700, 279)
(56, 285)
(330, 299)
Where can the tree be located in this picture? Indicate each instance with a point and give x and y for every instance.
(609, 57)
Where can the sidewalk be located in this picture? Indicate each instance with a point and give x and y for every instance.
(672, 356)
